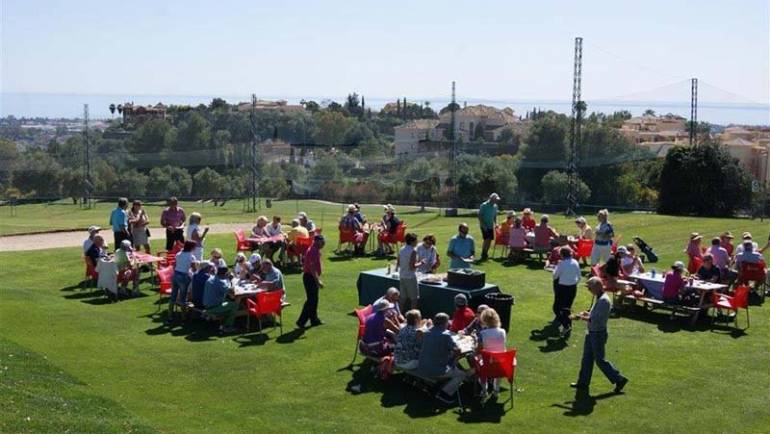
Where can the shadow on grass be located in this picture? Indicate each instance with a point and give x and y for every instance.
(251, 340)
(417, 398)
(663, 319)
(549, 334)
(583, 404)
(194, 330)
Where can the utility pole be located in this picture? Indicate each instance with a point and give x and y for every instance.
(575, 130)
(693, 111)
(453, 152)
(87, 183)
(254, 189)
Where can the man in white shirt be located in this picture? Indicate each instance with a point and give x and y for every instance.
(566, 276)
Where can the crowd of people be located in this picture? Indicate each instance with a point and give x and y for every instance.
(205, 283)
(427, 346)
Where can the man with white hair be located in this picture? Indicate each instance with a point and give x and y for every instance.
(393, 296)
(488, 221)
(305, 222)
(92, 232)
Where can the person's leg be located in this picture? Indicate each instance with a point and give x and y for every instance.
(176, 284)
(587, 363)
(183, 289)
(456, 378)
(606, 251)
(304, 316)
(568, 294)
(170, 236)
(598, 343)
(595, 254)
(555, 305)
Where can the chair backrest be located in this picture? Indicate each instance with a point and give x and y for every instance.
(302, 244)
(347, 235)
(239, 236)
(694, 264)
(177, 247)
(501, 238)
(741, 297)
(752, 272)
(401, 231)
(269, 302)
(165, 275)
(362, 314)
(90, 268)
(584, 248)
(498, 364)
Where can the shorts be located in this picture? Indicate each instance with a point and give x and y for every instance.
(488, 234)
(409, 288)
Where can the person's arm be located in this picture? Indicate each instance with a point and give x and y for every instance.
(558, 270)
(413, 261)
(450, 249)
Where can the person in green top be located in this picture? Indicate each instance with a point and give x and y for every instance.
(488, 221)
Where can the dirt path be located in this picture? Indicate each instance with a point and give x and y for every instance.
(13, 243)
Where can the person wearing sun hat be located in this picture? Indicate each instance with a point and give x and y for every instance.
(693, 247)
(726, 241)
(88, 242)
(527, 221)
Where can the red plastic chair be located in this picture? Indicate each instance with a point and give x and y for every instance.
(584, 248)
(694, 264)
(268, 303)
(753, 273)
(739, 300)
(165, 275)
(498, 365)
(91, 273)
(501, 239)
(362, 314)
(302, 244)
(241, 243)
(347, 237)
(170, 256)
(395, 238)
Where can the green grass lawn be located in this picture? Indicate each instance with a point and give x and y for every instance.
(63, 215)
(71, 363)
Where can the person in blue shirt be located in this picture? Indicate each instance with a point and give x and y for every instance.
(487, 222)
(218, 300)
(272, 278)
(204, 273)
(461, 248)
(119, 222)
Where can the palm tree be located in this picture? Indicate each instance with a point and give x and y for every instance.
(120, 108)
(112, 110)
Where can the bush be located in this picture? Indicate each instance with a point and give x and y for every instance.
(556, 186)
(169, 181)
(703, 180)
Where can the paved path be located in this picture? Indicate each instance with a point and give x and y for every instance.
(13, 243)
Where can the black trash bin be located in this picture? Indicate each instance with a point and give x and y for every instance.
(502, 304)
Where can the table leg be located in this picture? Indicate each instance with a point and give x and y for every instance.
(700, 308)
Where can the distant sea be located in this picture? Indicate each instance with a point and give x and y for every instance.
(50, 105)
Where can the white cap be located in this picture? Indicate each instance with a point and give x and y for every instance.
(94, 229)
(622, 249)
(580, 220)
(255, 258)
(494, 196)
(679, 265)
(302, 215)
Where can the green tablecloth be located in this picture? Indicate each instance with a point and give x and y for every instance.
(433, 298)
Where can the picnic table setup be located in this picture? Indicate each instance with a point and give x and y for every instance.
(435, 294)
(652, 283)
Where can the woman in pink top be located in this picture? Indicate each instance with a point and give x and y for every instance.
(674, 283)
(693, 247)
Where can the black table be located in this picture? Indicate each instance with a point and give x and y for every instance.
(433, 298)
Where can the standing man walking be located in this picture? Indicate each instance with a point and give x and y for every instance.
(172, 218)
(487, 221)
(596, 339)
(119, 222)
(311, 278)
(566, 276)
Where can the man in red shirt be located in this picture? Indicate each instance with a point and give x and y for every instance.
(172, 218)
(311, 278)
(463, 314)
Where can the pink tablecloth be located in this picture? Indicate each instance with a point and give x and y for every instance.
(262, 240)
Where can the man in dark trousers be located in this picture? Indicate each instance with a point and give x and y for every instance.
(596, 339)
(311, 278)
(172, 218)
